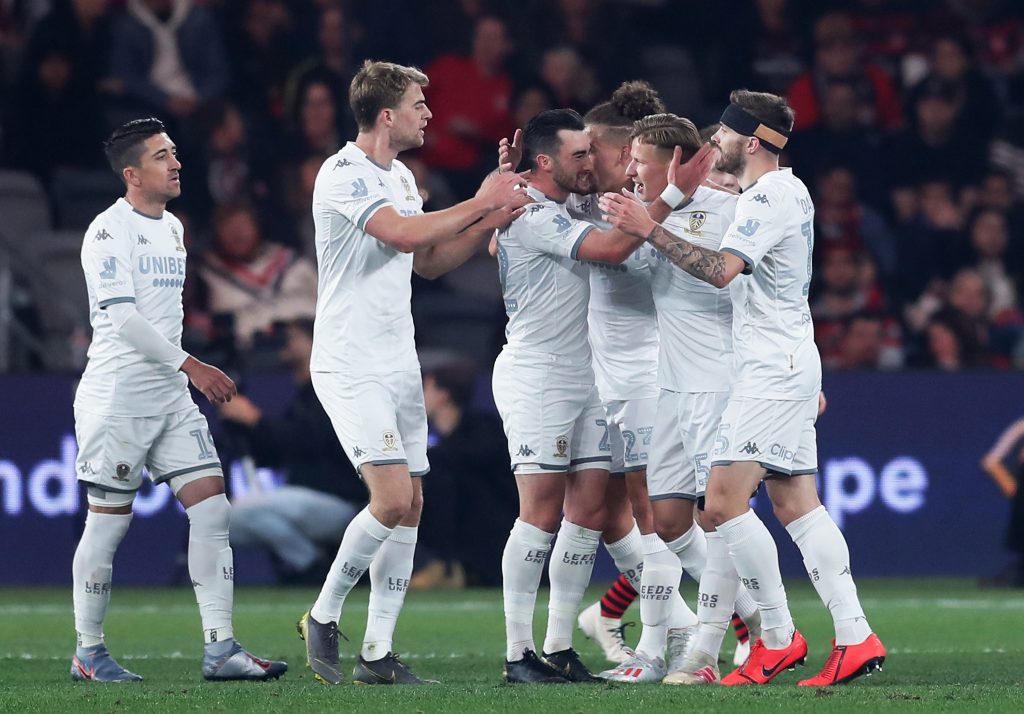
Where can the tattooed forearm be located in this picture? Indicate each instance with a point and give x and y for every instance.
(703, 263)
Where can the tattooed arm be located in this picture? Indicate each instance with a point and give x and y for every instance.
(631, 217)
(714, 267)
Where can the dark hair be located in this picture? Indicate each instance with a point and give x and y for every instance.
(770, 109)
(124, 147)
(458, 378)
(631, 101)
(378, 86)
(541, 133)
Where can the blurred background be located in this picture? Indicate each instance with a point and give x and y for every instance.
(909, 134)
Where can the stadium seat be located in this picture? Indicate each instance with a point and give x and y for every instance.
(23, 205)
(60, 295)
(79, 196)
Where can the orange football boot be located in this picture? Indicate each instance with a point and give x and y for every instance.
(764, 664)
(847, 662)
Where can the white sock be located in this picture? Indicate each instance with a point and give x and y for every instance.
(745, 606)
(572, 562)
(827, 559)
(692, 550)
(659, 587)
(522, 565)
(92, 570)
(718, 586)
(628, 556)
(389, 581)
(211, 565)
(360, 544)
(756, 559)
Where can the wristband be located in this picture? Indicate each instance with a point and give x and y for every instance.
(673, 197)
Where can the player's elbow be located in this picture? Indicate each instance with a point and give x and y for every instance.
(424, 267)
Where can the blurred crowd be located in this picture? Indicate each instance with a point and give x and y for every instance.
(909, 136)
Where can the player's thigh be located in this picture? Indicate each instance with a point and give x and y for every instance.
(185, 457)
(765, 431)
(541, 495)
(637, 430)
(588, 439)
(111, 455)
(412, 420)
(584, 498)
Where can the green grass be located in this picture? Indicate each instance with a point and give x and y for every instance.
(952, 647)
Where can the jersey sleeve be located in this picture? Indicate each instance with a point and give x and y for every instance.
(549, 230)
(758, 227)
(354, 191)
(107, 262)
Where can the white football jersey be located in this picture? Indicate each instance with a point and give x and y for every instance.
(622, 322)
(694, 318)
(772, 331)
(546, 289)
(131, 257)
(363, 314)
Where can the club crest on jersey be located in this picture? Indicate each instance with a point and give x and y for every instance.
(390, 441)
(697, 219)
(121, 471)
(408, 189)
(178, 245)
(561, 446)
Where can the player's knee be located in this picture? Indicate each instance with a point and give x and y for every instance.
(715, 513)
(588, 515)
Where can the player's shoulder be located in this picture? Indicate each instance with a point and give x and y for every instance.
(582, 206)
(109, 225)
(711, 199)
(347, 163)
(542, 209)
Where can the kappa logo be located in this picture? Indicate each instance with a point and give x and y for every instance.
(561, 446)
(761, 198)
(536, 207)
(697, 219)
(846, 571)
(390, 441)
(142, 240)
(86, 468)
(342, 163)
(750, 448)
(102, 235)
(381, 184)
(525, 450)
(121, 471)
(109, 271)
(357, 452)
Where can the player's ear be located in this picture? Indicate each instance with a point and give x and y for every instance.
(130, 177)
(386, 117)
(543, 161)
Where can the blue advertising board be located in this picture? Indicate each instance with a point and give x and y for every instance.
(898, 458)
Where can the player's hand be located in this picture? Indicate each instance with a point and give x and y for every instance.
(492, 245)
(627, 213)
(687, 177)
(510, 153)
(507, 213)
(214, 384)
(499, 189)
(240, 409)
(822, 403)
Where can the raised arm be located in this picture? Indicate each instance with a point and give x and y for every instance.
(629, 215)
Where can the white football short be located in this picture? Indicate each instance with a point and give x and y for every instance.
(684, 433)
(630, 428)
(379, 419)
(779, 435)
(553, 421)
(175, 448)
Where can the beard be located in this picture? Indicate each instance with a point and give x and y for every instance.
(729, 163)
(581, 183)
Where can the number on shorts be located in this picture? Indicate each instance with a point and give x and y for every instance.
(721, 440)
(703, 472)
(200, 437)
(629, 441)
(603, 444)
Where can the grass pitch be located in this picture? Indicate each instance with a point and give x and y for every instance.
(951, 647)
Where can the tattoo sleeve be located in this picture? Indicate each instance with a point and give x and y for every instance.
(702, 263)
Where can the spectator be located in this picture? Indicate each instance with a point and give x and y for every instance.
(302, 522)
(569, 80)
(315, 119)
(837, 55)
(470, 482)
(263, 46)
(932, 245)
(470, 98)
(529, 101)
(950, 344)
(169, 56)
(258, 283)
(989, 235)
(869, 341)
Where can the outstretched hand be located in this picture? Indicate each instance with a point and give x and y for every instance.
(687, 177)
(506, 214)
(499, 189)
(214, 384)
(627, 213)
(510, 154)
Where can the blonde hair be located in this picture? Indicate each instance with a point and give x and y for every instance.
(378, 86)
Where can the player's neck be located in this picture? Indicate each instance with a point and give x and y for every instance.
(151, 207)
(377, 146)
(757, 166)
(546, 185)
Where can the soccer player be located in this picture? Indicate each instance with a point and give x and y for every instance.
(133, 409)
(767, 431)
(545, 391)
(371, 233)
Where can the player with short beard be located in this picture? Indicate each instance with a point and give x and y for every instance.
(371, 233)
(767, 431)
